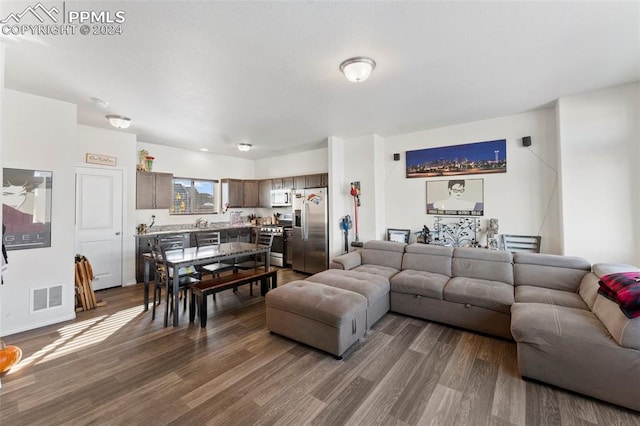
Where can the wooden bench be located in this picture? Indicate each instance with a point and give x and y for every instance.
(202, 289)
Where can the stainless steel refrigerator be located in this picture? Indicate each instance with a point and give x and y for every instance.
(310, 245)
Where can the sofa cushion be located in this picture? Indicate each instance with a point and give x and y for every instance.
(549, 270)
(346, 261)
(494, 295)
(421, 283)
(531, 322)
(429, 258)
(383, 253)
(373, 287)
(531, 294)
(588, 289)
(383, 271)
(491, 265)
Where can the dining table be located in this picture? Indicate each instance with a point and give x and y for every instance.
(195, 256)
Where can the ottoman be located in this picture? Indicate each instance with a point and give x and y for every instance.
(374, 287)
(327, 318)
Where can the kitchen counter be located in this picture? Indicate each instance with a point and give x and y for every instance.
(179, 229)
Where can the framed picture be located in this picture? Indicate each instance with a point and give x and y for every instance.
(467, 159)
(398, 235)
(456, 197)
(26, 208)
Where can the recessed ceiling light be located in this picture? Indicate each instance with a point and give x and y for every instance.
(244, 147)
(204, 149)
(119, 121)
(357, 69)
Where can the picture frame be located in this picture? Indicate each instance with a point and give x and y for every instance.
(398, 235)
(26, 208)
(455, 197)
(456, 160)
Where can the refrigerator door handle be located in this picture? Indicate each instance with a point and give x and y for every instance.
(305, 224)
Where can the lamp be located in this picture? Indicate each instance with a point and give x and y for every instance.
(244, 147)
(119, 121)
(357, 69)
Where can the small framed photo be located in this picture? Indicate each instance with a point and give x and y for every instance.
(398, 235)
(492, 243)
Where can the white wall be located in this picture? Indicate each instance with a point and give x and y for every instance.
(297, 164)
(600, 152)
(122, 145)
(191, 164)
(39, 133)
(525, 199)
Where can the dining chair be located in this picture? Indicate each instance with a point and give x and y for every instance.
(164, 278)
(257, 260)
(262, 239)
(204, 239)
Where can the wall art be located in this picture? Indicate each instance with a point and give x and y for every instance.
(26, 208)
(467, 159)
(456, 197)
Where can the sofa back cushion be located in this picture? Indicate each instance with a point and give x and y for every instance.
(383, 253)
(428, 258)
(550, 270)
(483, 264)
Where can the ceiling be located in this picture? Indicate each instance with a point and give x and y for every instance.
(211, 74)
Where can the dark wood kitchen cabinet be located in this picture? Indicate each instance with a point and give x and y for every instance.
(153, 190)
(251, 193)
(283, 183)
(232, 192)
(264, 196)
(300, 182)
(313, 181)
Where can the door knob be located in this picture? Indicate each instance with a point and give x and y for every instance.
(117, 233)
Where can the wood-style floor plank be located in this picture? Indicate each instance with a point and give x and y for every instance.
(114, 365)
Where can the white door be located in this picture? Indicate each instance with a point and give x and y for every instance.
(98, 232)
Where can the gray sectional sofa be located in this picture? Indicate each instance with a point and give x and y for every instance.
(566, 333)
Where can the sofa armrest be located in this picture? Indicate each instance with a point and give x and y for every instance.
(346, 261)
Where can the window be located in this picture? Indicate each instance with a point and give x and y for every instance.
(193, 196)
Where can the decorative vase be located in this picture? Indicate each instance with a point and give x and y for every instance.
(149, 163)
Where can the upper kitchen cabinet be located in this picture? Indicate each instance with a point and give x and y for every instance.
(153, 190)
(315, 181)
(300, 182)
(282, 183)
(232, 192)
(264, 196)
(251, 193)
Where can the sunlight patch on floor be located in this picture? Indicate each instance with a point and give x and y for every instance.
(80, 335)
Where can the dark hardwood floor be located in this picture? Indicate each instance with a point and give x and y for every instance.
(114, 365)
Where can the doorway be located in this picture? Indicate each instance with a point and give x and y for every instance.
(98, 224)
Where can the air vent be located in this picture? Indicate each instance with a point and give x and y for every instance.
(46, 298)
(39, 299)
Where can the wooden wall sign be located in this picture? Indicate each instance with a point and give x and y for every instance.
(105, 160)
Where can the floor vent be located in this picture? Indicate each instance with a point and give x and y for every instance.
(46, 298)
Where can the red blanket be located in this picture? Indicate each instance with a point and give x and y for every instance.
(624, 289)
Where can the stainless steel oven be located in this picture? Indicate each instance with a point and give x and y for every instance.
(277, 247)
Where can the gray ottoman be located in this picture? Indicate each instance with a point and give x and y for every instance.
(374, 287)
(327, 318)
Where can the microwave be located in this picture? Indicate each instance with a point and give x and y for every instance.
(280, 197)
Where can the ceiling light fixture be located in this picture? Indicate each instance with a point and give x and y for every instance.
(244, 147)
(357, 69)
(119, 121)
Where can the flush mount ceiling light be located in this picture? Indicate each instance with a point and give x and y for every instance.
(244, 147)
(357, 69)
(119, 121)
